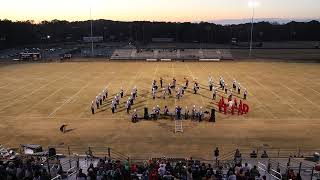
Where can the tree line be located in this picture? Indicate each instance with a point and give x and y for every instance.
(19, 33)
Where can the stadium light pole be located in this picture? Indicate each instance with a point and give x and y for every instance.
(91, 33)
(252, 4)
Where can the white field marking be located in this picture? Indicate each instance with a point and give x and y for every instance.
(275, 94)
(23, 79)
(11, 92)
(153, 78)
(318, 93)
(190, 72)
(314, 104)
(38, 89)
(43, 100)
(69, 99)
(175, 98)
(300, 95)
(4, 86)
(252, 95)
(297, 82)
(138, 74)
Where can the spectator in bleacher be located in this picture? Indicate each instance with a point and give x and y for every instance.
(162, 170)
(237, 168)
(254, 172)
(219, 173)
(81, 175)
(232, 176)
(54, 171)
(291, 175)
(91, 174)
(241, 175)
(209, 172)
(246, 168)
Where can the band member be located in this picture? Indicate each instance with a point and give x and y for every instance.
(97, 102)
(186, 113)
(161, 81)
(187, 82)
(210, 82)
(134, 92)
(121, 92)
(115, 102)
(214, 93)
(106, 92)
(103, 95)
(234, 84)
(134, 117)
(153, 93)
(154, 85)
(200, 114)
(239, 88)
(194, 112)
(178, 95)
(117, 99)
(92, 107)
(113, 106)
(100, 99)
(182, 90)
(169, 89)
(178, 112)
(245, 94)
(166, 111)
(196, 88)
(240, 109)
(128, 106)
(131, 100)
(174, 81)
(154, 113)
(158, 110)
(164, 93)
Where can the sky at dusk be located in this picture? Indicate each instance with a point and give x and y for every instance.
(156, 10)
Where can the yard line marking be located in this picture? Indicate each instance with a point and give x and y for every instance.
(275, 94)
(173, 74)
(252, 95)
(290, 89)
(318, 93)
(20, 88)
(43, 100)
(153, 78)
(4, 86)
(300, 95)
(297, 82)
(190, 72)
(68, 100)
(36, 90)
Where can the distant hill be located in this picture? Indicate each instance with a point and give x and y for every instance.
(271, 20)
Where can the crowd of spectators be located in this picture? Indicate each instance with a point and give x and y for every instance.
(27, 169)
(167, 170)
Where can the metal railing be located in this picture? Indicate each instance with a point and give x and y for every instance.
(271, 172)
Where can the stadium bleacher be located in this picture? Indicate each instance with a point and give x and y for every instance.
(172, 54)
(122, 54)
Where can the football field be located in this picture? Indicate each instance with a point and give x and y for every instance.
(37, 98)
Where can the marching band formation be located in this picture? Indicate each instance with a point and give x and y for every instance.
(178, 91)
